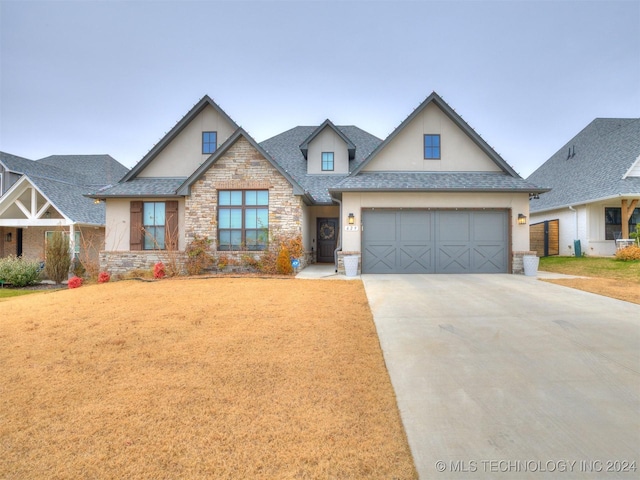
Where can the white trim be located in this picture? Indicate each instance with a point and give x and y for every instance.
(619, 196)
(634, 166)
(1, 184)
(12, 197)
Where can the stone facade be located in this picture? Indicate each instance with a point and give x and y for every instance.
(120, 263)
(242, 167)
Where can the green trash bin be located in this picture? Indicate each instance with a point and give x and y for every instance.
(576, 248)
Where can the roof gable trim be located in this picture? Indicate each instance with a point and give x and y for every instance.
(304, 146)
(173, 133)
(457, 120)
(185, 188)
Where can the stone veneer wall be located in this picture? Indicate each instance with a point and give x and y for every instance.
(517, 267)
(242, 167)
(119, 263)
(341, 256)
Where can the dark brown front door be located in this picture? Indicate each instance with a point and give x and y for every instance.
(327, 234)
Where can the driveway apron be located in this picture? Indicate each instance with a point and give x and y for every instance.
(506, 376)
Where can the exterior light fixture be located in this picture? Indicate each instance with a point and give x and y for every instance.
(522, 219)
(352, 219)
(47, 214)
(97, 201)
(8, 237)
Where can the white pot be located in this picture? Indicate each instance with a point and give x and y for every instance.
(530, 263)
(350, 265)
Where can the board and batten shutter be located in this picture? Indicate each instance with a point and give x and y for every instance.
(135, 234)
(171, 225)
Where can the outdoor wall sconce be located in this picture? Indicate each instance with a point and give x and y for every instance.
(352, 219)
(8, 237)
(97, 201)
(522, 219)
(47, 214)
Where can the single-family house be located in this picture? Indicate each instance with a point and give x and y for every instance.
(38, 197)
(433, 197)
(595, 190)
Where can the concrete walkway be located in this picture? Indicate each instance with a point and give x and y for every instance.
(505, 376)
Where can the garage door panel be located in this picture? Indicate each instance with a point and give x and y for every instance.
(415, 226)
(435, 241)
(489, 259)
(383, 229)
(379, 258)
(416, 259)
(453, 226)
(453, 259)
(489, 227)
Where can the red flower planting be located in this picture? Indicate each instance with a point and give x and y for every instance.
(158, 270)
(75, 282)
(104, 277)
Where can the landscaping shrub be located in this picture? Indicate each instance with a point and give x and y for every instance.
(628, 253)
(158, 270)
(19, 272)
(198, 256)
(284, 262)
(104, 277)
(58, 259)
(75, 282)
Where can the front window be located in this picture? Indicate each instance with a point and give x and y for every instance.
(153, 221)
(243, 219)
(432, 147)
(327, 161)
(209, 142)
(613, 222)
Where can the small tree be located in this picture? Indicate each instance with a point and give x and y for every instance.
(58, 259)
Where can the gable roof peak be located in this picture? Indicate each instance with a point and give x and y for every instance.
(457, 120)
(173, 133)
(304, 146)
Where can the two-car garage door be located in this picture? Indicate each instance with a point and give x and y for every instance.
(435, 241)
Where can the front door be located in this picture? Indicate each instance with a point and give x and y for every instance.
(19, 242)
(327, 239)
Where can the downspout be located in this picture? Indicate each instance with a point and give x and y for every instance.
(576, 217)
(339, 244)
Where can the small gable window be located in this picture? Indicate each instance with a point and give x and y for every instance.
(209, 142)
(432, 147)
(327, 161)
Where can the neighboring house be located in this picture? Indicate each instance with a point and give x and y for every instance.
(433, 197)
(42, 196)
(595, 187)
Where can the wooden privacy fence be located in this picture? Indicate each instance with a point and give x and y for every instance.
(544, 237)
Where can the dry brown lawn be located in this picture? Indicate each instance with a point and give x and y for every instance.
(197, 378)
(609, 287)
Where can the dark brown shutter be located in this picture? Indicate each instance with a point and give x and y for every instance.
(171, 225)
(135, 235)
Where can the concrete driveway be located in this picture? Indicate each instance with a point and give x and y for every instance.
(506, 376)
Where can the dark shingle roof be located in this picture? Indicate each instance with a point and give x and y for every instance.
(604, 151)
(65, 179)
(435, 182)
(140, 186)
(94, 169)
(285, 150)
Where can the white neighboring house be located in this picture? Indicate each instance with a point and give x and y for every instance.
(595, 187)
(38, 197)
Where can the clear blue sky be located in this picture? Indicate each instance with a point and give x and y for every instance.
(114, 76)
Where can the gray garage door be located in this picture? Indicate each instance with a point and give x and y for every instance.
(434, 241)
